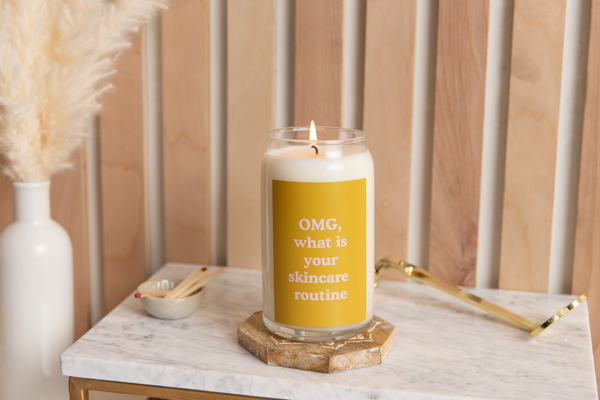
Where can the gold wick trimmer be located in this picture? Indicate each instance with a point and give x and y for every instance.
(422, 276)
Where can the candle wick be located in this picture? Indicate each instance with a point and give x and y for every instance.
(316, 150)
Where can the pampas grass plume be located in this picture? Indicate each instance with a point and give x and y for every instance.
(54, 58)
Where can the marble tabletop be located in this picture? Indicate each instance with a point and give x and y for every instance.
(443, 348)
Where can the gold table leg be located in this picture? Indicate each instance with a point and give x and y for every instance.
(79, 390)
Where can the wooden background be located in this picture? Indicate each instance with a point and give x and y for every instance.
(483, 118)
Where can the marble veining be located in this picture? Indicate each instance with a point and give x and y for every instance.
(443, 348)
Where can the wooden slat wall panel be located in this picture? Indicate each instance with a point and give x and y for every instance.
(534, 103)
(389, 71)
(250, 56)
(6, 198)
(318, 64)
(186, 130)
(586, 269)
(458, 139)
(122, 151)
(68, 203)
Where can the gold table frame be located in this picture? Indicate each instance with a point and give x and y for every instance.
(79, 390)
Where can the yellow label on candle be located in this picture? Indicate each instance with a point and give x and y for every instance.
(320, 253)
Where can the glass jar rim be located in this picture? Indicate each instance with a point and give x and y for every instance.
(359, 136)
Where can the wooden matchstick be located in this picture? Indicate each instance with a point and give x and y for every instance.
(202, 282)
(151, 294)
(187, 282)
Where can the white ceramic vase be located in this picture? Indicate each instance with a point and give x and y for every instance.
(36, 298)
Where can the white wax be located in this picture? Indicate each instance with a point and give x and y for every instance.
(334, 163)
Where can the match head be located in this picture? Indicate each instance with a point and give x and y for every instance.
(137, 295)
(204, 269)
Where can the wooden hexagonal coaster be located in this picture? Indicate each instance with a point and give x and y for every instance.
(368, 348)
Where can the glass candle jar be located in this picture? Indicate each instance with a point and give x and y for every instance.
(318, 234)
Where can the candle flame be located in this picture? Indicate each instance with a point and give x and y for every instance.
(313, 132)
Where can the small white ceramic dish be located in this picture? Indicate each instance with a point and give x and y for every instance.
(160, 307)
